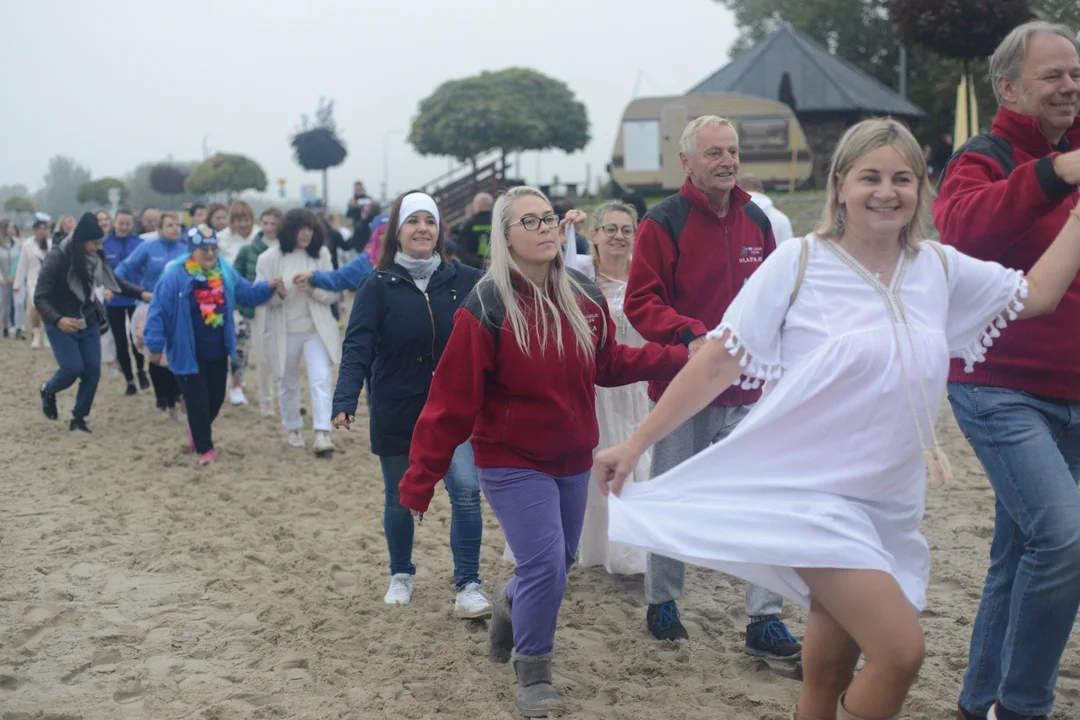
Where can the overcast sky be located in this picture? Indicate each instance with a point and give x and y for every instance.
(114, 83)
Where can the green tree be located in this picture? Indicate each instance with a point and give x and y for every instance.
(10, 191)
(511, 110)
(1066, 12)
(317, 146)
(61, 186)
(96, 192)
(861, 32)
(143, 193)
(20, 206)
(226, 174)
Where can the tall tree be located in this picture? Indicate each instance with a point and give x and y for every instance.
(510, 110)
(861, 32)
(316, 146)
(144, 194)
(61, 185)
(227, 175)
(97, 191)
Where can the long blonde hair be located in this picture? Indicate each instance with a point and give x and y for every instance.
(860, 139)
(546, 310)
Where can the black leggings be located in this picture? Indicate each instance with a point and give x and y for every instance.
(166, 389)
(203, 395)
(118, 317)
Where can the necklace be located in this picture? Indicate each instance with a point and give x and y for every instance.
(938, 468)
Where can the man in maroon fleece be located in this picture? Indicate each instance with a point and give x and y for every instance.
(1004, 196)
(692, 254)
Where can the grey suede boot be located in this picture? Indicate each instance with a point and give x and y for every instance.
(501, 629)
(536, 697)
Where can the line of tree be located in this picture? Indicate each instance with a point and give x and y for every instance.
(865, 34)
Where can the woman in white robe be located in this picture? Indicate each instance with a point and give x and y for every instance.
(819, 493)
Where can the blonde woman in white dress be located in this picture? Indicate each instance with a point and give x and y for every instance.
(819, 493)
(619, 410)
(301, 325)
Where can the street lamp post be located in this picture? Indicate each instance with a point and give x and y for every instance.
(386, 163)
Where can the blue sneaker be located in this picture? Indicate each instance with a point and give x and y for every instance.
(771, 639)
(664, 623)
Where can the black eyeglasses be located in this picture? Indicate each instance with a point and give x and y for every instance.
(531, 222)
(612, 230)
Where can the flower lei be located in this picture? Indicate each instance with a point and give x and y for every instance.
(210, 299)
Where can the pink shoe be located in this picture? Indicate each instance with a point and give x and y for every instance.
(190, 441)
(208, 458)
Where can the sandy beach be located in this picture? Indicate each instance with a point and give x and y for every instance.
(135, 585)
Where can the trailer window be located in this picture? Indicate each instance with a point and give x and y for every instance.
(641, 145)
(763, 133)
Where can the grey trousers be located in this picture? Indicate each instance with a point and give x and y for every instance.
(664, 577)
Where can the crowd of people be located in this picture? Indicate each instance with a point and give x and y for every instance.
(747, 401)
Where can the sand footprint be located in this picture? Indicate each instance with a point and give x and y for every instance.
(344, 582)
(294, 668)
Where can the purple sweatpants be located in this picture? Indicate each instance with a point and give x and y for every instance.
(541, 516)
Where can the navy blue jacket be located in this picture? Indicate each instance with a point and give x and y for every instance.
(395, 337)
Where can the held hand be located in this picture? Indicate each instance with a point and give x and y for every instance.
(68, 325)
(577, 217)
(1067, 167)
(303, 278)
(108, 296)
(613, 466)
(156, 359)
(278, 285)
(147, 296)
(696, 344)
(343, 421)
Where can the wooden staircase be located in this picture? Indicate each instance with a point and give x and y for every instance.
(454, 190)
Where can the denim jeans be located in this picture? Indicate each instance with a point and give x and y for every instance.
(79, 356)
(1030, 449)
(466, 523)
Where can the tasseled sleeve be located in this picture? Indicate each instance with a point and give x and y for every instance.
(755, 317)
(983, 298)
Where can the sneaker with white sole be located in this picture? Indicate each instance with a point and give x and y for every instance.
(236, 396)
(323, 446)
(296, 439)
(400, 591)
(471, 603)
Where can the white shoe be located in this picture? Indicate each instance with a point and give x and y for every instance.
(472, 604)
(992, 715)
(400, 592)
(296, 439)
(266, 408)
(323, 446)
(36, 342)
(236, 396)
(114, 374)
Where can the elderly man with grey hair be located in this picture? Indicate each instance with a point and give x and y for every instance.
(692, 253)
(150, 222)
(1004, 196)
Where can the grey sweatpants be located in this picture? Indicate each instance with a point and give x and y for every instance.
(664, 577)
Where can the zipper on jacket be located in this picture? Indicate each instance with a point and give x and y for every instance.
(431, 314)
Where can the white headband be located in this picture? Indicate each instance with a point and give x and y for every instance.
(414, 203)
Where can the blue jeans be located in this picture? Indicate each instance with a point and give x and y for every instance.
(79, 356)
(466, 523)
(1030, 448)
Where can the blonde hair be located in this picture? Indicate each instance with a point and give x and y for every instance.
(598, 218)
(864, 137)
(546, 310)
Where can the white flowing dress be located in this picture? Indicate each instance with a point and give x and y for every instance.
(619, 411)
(827, 470)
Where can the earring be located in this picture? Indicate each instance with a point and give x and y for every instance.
(840, 220)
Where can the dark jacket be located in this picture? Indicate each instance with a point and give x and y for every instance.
(1012, 218)
(245, 265)
(535, 410)
(396, 336)
(53, 297)
(680, 289)
(472, 242)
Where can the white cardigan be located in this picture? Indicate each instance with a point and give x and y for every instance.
(275, 334)
(26, 275)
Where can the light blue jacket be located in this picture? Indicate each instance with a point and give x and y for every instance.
(168, 322)
(146, 264)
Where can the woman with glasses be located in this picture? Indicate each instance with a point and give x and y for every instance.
(528, 347)
(399, 324)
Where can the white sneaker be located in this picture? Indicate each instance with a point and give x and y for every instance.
(472, 604)
(236, 396)
(323, 446)
(296, 439)
(400, 592)
(36, 342)
(114, 374)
